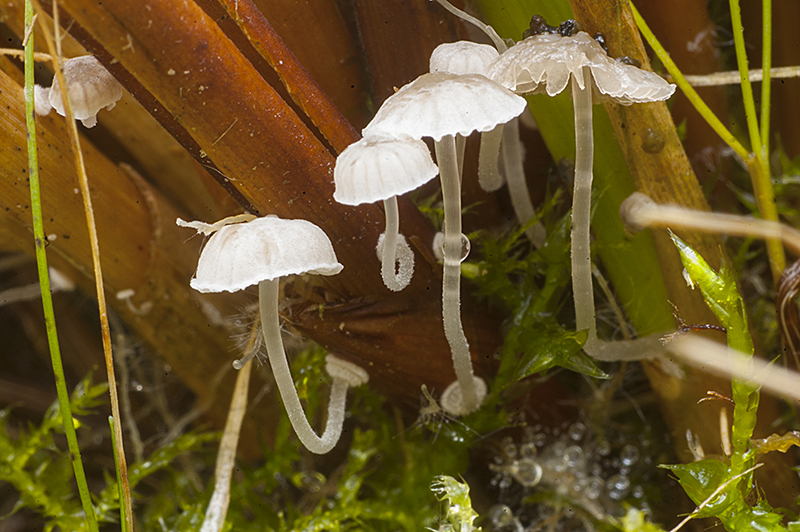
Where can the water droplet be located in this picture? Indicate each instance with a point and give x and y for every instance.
(509, 449)
(527, 472)
(465, 247)
(528, 450)
(594, 487)
(638, 492)
(653, 141)
(629, 455)
(604, 449)
(618, 486)
(573, 456)
(576, 431)
(501, 515)
(540, 439)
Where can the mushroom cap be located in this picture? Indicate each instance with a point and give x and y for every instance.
(91, 87)
(352, 374)
(377, 168)
(544, 62)
(439, 104)
(463, 57)
(244, 254)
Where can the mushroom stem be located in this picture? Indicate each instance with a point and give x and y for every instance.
(582, 291)
(268, 304)
(396, 268)
(447, 160)
(583, 294)
(513, 157)
(488, 172)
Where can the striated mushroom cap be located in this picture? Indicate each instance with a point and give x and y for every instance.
(543, 63)
(377, 168)
(463, 57)
(439, 104)
(91, 87)
(243, 254)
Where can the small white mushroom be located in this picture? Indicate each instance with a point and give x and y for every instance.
(441, 106)
(90, 86)
(381, 168)
(465, 57)
(262, 251)
(545, 63)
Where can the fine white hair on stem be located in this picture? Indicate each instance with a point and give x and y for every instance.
(451, 288)
(720, 360)
(639, 211)
(218, 505)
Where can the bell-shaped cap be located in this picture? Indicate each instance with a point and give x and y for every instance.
(377, 168)
(544, 63)
(463, 57)
(243, 254)
(439, 104)
(352, 374)
(91, 87)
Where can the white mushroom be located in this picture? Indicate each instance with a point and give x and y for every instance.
(545, 63)
(441, 106)
(382, 168)
(511, 149)
(91, 87)
(262, 251)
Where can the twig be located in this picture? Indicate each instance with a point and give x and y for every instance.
(54, 47)
(218, 505)
(731, 77)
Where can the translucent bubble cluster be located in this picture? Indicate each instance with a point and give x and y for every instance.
(592, 473)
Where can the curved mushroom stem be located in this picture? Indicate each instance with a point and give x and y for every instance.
(451, 289)
(513, 158)
(582, 292)
(395, 278)
(488, 171)
(268, 304)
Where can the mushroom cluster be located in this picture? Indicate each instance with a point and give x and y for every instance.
(443, 106)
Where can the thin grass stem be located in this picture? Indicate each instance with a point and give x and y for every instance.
(766, 65)
(688, 90)
(744, 77)
(54, 48)
(44, 282)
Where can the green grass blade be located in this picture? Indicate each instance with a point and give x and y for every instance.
(44, 281)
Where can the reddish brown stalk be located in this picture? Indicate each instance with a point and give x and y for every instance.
(305, 92)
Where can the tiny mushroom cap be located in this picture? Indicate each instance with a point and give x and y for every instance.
(91, 87)
(439, 104)
(243, 254)
(352, 374)
(544, 62)
(378, 167)
(462, 57)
